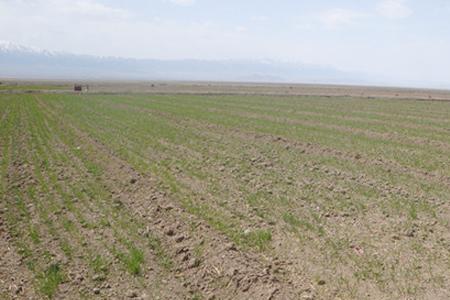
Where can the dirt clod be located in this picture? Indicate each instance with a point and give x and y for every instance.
(230, 247)
(321, 282)
(132, 294)
(170, 232)
(180, 238)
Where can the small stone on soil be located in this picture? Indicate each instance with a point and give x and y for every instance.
(410, 233)
(180, 238)
(231, 272)
(98, 277)
(131, 294)
(193, 263)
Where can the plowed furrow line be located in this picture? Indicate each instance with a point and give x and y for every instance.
(120, 234)
(247, 139)
(15, 278)
(207, 262)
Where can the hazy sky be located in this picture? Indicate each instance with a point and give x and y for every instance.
(400, 40)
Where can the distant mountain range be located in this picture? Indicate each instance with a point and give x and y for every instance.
(21, 62)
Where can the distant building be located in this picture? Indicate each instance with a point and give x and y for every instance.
(81, 88)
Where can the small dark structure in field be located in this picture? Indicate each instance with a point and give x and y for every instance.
(81, 88)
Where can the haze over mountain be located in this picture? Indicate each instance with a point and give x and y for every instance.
(18, 61)
(25, 62)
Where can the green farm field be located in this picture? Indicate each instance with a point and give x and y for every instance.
(223, 197)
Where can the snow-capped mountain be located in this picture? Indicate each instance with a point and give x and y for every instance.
(10, 47)
(17, 61)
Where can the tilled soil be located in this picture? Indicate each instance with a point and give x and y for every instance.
(213, 197)
(221, 270)
(15, 278)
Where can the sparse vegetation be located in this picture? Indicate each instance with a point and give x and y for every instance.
(15, 87)
(132, 260)
(259, 239)
(203, 193)
(99, 265)
(50, 279)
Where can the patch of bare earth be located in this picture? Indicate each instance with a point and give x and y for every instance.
(15, 279)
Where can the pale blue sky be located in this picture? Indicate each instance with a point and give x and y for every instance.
(400, 41)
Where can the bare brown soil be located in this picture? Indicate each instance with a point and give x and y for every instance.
(15, 279)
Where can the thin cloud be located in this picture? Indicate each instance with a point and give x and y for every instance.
(182, 2)
(91, 8)
(394, 9)
(240, 29)
(79, 8)
(338, 17)
(259, 18)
